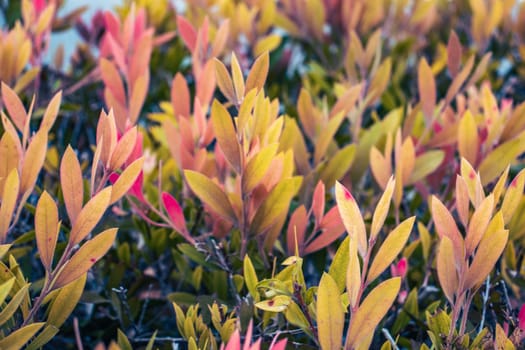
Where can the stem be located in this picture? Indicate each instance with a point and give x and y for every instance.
(485, 300)
(300, 301)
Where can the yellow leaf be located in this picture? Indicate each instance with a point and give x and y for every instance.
(267, 44)
(10, 157)
(250, 277)
(224, 81)
(446, 269)
(473, 181)
(65, 301)
(226, 135)
(337, 166)
(88, 254)
(33, 161)
(326, 137)
(427, 88)
(123, 149)
(381, 167)
(106, 136)
(468, 141)
(330, 314)
(513, 196)
(390, 248)
(51, 112)
(126, 180)
(258, 73)
(211, 194)
(425, 165)
(382, 209)
(372, 310)
(9, 200)
(89, 216)
(257, 167)
(497, 160)
(351, 216)
(5, 289)
(478, 224)
(20, 337)
(238, 78)
(489, 250)
(275, 204)
(13, 305)
(279, 303)
(71, 182)
(46, 228)
(353, 273)
(44, 19)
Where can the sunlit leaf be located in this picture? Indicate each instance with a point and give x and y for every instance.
(351, 216)
(226, 135)
(71, 182)
(65, 301)
(468, 141)
(478, 224)
(446, 268)
(21, 336)
(9, 200)
(330, 314)
(90, 215)
(381, 210)
(353, 273)
(258, 73)
(46, 228)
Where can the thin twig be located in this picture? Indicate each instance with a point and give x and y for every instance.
(78, 338)
(390, 338)
(485, 300)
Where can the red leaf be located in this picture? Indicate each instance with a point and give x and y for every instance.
(180, 96)
(187, 32)
(175, 212)
(521, 318)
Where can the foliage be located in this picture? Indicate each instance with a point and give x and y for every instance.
(312, 174)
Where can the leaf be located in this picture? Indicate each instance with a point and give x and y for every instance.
(65, 301)
(226, 135)
(123, 149)
(381, 167)
(427, 88)
(72, 184)
(446, 226)
(180, 96)
(9, 200)
(278, 303)
(13, 305)
(20, 337)
(187, 32)
(454, 53)
(275, 204)
(5, 289)
(425, 165)
(126, 180)
(330, 314)
(10, 157)
(468, 141)
(353, 274)
(175, 212)
(44, 337)
(90, 215)
(266, 44)
(88, 254)
(446, 269)
(51, 112)
(250, 277)
(351, 217)
(138, 95)
(497, 160)
(14, 106)
(326, 137)
(513, 196)
(489, 250)
(257, 167)
(381, 210)
(258, 73)
(372, 310)
(462, 200)
(338, 165)
(33, 161)
(473, 182)
(211, 194)
(46, 229)
(295, 235)
(339, 266)
(238, 78)
(390, 248)
(224, 81)
(478, 224)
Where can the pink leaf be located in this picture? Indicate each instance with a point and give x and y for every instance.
(318, 201)
(297, 226)
(180, 96)
(187, 32)
(174, 211)
(521, 318)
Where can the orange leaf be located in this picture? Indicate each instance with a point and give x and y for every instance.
(211, 194)
(258, 73)
(238, 78)
(351, 216)
(106, 136)
(462, 200)
(51, 112)
(226, 135)
(478, 224)
(46, 229)
(14, 106)
(138, 95)
(86, 257)
(126, 180)
(296, 230)
(72, 184)
(446, 268)
(112, 80)
(9, 155)
(381, 167)
(224, 81)
(123, 149)
(513, 196)
(90, 215)
(490, 249)
(473, 181)
(33, 161)
(180, 96)
(372, 310)
(9, 199)
(221, 38)
(446, 226)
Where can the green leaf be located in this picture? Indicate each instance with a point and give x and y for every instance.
(65, 302)
(14, 304)
(20, 337)
(330, 314)
(340, 265)
(123, 341)
(250, 278)
(43, 338)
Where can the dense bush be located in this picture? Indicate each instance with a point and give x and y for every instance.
(306, 173)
